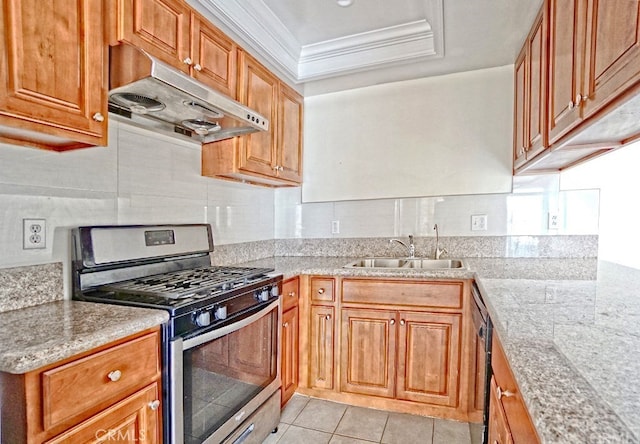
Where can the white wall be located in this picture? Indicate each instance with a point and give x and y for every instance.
(446, 135)
(616, 174)
(139, 178)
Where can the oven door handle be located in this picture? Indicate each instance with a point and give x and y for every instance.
(219, 332)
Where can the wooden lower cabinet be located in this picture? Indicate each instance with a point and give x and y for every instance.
(321, 347)
(110, 394)
(400, 344)
(509, 420)
(289, 342)
(368, 352)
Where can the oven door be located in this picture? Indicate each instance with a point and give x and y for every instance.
(219, 378)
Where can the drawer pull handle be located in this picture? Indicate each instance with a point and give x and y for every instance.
(292, 294)
(504, 393)
(153, 405)
(402, 322)
(285, 325)
(115, 375)
(98, 117)
(320, 290)
(328, 317)
(392, 322)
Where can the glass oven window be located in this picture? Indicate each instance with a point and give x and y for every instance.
(222, 375)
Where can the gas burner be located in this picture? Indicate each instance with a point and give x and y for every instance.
(195, 283)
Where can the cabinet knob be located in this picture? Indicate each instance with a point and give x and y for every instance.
(188, 61)
(392, 322)
(197, 67)
(153, 405)
(285, 325)
(98, 117)
(328, 317)
(402, 322)
(320, 290)
(571, 104)
(504, 393)
(115, 375)
(292, 294)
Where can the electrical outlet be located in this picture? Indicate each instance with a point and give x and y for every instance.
(553, 221)
(34, 234)
(335, 227)
(479, 222)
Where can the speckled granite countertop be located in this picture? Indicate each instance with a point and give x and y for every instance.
(43, 334)
(572, 336)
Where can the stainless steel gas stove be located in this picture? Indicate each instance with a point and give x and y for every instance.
(220, 346)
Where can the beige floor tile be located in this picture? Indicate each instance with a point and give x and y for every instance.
(300, 435)
(448, 432)
(476, 433)
(405, 429)
(320, 415)
(362, 423)
(274, 437)
(337, 439)
(293, 408)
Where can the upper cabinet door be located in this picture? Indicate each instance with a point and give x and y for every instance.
(614, 62)
(520, 125)
(258, 90)
(160, 27)
(290, 121)
(214, 57)
(537, 86)
(567, 40)
(52, 70)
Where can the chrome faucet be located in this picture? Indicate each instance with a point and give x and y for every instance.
(411, 248)
(439, 252)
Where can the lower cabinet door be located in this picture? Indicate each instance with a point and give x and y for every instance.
(321, 349)
(289, 363)
(429, 357)
(135, 419)
(499, 432)
(368, 352)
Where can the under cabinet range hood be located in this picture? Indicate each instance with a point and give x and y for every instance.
(151, 94)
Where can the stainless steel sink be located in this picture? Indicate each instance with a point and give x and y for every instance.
(420, 263)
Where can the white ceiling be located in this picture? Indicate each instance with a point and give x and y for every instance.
(322, 47)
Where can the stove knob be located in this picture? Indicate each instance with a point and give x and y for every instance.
(275, 291)
(262, 295)
(202, 319)
(221, 312)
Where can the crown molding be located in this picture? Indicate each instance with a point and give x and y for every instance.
(263, 31)
(367, 50)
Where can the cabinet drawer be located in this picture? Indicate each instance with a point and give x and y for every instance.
(322, 290)
(403, 292)
(81, 385)
(290, 292)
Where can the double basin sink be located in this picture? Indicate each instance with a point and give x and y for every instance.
(420, 263)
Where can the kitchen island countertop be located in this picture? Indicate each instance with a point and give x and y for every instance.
(571, 335)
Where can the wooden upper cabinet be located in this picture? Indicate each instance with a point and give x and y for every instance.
(289, 140)
(172, 32)
(520, 125)
(368, 352)
(613, 62)
(259, 91)
(537, 86)
(429, 348)
(530, 95)
(52, 73)
(213, 57)
(567, 40)
(160, 27)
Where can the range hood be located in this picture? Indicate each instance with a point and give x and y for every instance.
(151, 94)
